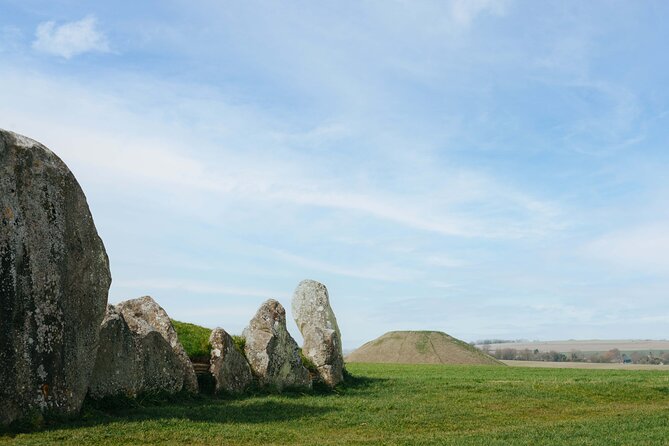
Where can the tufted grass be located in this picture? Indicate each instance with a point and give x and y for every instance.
(195, 339)
(399, 405)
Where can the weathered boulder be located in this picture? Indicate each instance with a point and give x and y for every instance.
(162, 369)
(129, 363)
(317, 323)
(229, 367)
(272, 353)
(144, 315)
(54, 280)
(116, 370)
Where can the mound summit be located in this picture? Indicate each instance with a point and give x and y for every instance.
(420, 347)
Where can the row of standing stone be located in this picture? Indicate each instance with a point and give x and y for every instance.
(139, 350)
(57, 342)
(271, 355)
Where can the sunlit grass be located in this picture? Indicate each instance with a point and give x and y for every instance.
(403, 404)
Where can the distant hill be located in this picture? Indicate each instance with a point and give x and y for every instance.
(420, 347)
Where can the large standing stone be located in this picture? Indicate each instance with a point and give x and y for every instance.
(54, 280)
(229, 367)
(129, 363)
(318, 325)
(144, 315)
(271, 351)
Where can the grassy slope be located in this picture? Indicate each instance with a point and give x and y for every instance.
(406, 404)
(195, 339)
(420, 347)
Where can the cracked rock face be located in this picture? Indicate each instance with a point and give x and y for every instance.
(54, 280)
(272, 353)
(144, 315)
(317, 323)
(129, 362)
(229, 367)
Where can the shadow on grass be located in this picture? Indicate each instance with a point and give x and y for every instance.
(215, 410)
(206, 409)
(255, 406)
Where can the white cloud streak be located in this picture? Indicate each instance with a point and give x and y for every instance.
(464, 12)
(140, 153)
(384, 272)
(194, 286)
(643, 249)
(70, 39)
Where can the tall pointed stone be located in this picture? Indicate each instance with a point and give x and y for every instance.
(54, 280)
(317, 323)
(272, 353)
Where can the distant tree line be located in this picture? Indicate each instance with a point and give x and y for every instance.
(611, 356)
(497, 341)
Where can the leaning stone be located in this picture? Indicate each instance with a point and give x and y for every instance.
(230, 369)
(271, 351)
(54, 280)
(129, 363)
(317, 323)
(144, 315)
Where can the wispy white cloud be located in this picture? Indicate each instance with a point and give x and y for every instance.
(456, 203)
(464, 12)
(444, 261)
(642, 248)
(387, 272)
(70, 39)
(441, 284)
(10, 38)
(194, 286)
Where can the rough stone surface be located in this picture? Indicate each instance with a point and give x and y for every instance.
(317, 323)
(115, 368)
(129, 363)
(272, 353)
(229, 367)
(162, 369)
(144, 315)
(54, 280)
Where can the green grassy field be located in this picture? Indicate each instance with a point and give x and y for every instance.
(403, 404)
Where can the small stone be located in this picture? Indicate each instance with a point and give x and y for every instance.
(144, 315)
(129, 363)
(229, 367)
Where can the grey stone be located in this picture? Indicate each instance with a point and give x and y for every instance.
(162, 369)
(144, 315)
(116, 368)
(129, 363)
(272, 353)
(54, 280)
(229, 367)
(317, 323)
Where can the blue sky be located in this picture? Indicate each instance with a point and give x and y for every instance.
(486, 168)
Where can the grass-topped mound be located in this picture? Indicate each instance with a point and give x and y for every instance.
(194, 338)
(420, 347)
